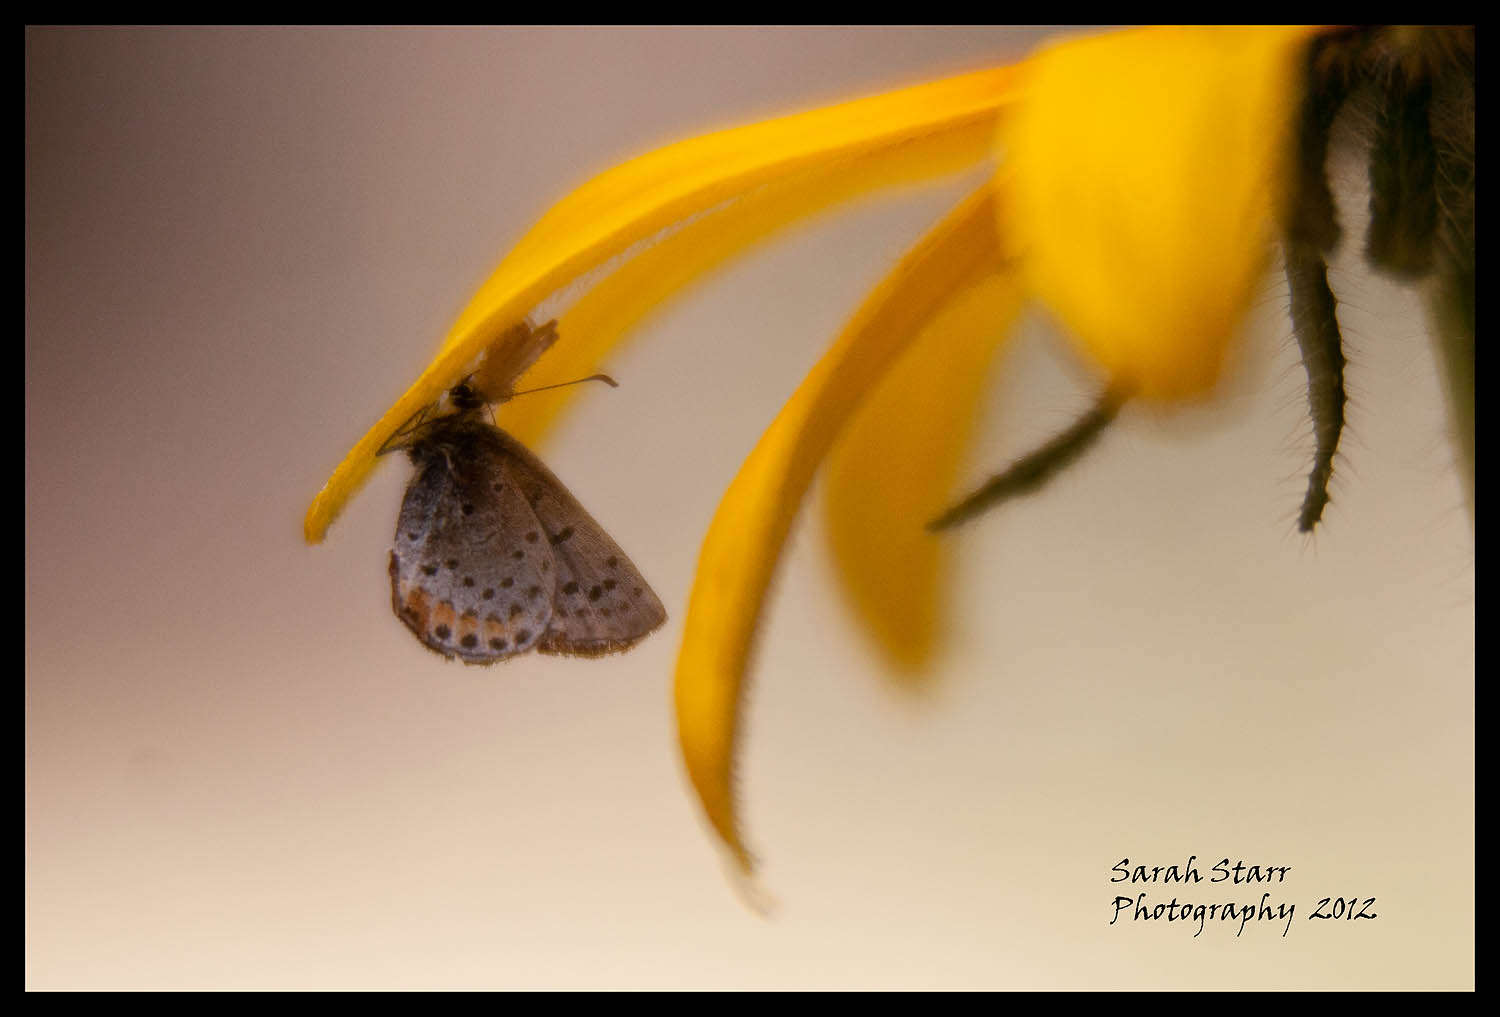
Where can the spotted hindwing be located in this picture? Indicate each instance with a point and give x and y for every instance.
(472, 573)
(601, 603)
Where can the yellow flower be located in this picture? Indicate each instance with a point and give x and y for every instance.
(1136, 194)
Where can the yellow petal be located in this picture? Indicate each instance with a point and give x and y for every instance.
(595, 324)
(1145, 180)
(635, 200)
(743, 542)
(894, 469)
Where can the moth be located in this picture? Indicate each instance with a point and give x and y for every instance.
(493, 556)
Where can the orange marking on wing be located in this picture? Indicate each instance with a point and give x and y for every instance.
(443, 614)
(417, 605)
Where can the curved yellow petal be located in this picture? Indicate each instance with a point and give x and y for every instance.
(894, 468)
(596, 323)
(635, 200)
(743, 542)
(1145, 179)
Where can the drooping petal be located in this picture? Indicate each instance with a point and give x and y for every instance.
(635, 200)
(617, 304)
(894, 469)
(1146, 174)
(744, 541)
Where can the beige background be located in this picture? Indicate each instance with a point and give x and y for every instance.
(242, 772)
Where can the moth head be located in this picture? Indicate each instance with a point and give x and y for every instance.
(464, 396)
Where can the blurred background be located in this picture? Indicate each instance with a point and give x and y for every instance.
(243, 772)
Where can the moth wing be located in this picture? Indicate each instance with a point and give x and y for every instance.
(601, 602)
(511, 356)
(471, 573)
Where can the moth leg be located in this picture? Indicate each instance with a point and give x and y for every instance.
(397, 441)
(1033, 470)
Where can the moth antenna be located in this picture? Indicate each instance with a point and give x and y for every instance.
(564, 384)
(1033, 470)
